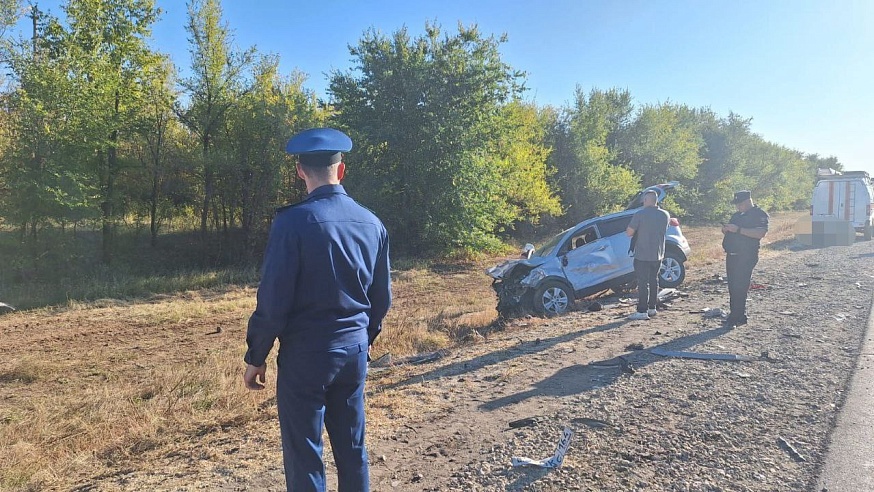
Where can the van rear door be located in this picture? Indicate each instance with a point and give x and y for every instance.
(835, 199)
(847, 210)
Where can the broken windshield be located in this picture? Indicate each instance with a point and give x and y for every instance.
(548, 246)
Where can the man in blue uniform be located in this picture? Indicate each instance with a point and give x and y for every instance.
(743, 233)
(324, 290)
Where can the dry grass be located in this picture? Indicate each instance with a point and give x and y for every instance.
(91, 388)
(706, 241)
(98, 388)
(94, 420)
(101, 386)
(433, 309)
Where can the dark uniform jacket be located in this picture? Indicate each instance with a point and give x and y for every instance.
(325, 281)
(736, 243)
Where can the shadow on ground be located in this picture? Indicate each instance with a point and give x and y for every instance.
(579, 378)
(523, 348)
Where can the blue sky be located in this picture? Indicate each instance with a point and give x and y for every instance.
(803, 70)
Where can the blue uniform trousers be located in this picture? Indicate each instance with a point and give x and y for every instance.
(316, 388)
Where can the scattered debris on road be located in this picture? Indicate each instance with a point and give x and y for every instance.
(621, 363)
(593, 423)
(785, 445)
(555, 461)
(383, 360)
(714, 313)
(528, 421)
(422, 359)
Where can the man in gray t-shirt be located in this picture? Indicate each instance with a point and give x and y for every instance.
(648, 227)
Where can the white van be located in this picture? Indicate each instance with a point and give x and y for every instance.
(845, 196)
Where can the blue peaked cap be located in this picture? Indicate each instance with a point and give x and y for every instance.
(319, 141)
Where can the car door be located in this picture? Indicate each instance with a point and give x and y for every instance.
(613, 230)
(588, 259)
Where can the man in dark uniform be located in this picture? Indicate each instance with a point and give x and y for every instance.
(324, 290)
(743, 233)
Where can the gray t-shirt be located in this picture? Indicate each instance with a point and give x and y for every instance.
(650, 225)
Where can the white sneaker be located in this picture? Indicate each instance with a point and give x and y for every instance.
(638, 316)
(651, 312)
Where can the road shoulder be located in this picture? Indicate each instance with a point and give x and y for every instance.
(849, 464)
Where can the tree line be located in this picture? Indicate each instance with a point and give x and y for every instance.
(98, 131)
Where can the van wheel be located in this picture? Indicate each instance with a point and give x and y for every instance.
(868, 232)
(552, 298)
(672, 272)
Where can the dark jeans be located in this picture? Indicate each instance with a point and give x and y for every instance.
(647, 284)
(316, 388)
(739, 270)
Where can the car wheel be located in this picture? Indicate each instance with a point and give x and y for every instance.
(551, 298)
(672, 272)
(869, 229)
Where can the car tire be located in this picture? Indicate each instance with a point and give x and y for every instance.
(673, 270)
(552, 298)
(868, 232)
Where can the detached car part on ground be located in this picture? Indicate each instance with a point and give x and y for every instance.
(588, 258)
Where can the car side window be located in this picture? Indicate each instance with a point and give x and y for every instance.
(614, 226)
(581, 238)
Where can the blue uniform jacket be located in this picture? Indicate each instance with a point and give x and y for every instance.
(325, 282)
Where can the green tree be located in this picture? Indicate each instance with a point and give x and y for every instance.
(106, 43)
(523, 174)
(427, 116)
(216, 85)
(584, 139)
(158, 147)
(662, 144)
(259, 127)
(733, 158)
(10, 12)
(43, 175)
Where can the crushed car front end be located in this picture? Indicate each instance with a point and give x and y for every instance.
(515, 280)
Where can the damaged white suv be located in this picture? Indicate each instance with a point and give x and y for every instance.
(586, 259)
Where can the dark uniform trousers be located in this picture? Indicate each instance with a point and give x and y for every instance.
(647, 284)
(739, 269)
(323, 387)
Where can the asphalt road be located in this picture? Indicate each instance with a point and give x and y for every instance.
(849, 462)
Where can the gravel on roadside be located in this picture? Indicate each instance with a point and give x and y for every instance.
(671, 424)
